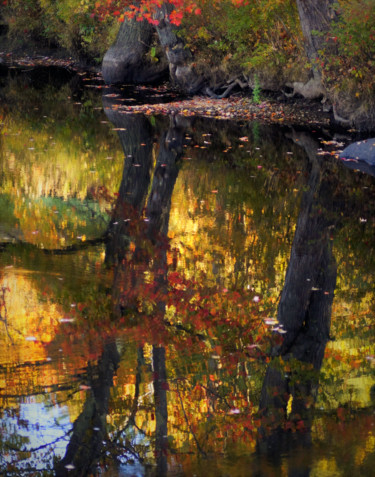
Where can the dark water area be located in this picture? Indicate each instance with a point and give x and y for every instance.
(179, 295)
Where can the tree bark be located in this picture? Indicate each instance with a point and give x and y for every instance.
(180, 59)
(315, 17)
(126, 61)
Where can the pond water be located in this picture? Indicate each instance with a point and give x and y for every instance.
(179, 295)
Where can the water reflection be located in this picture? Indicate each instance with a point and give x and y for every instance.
(148, 234)
(186, 335)
(291, 383)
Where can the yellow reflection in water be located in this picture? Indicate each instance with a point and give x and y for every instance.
(28, 321)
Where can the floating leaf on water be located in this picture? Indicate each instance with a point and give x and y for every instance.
(234, 411)
(270, 321)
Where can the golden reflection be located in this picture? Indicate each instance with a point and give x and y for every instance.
(326, 467)
(30, 321)
(55, 184)
(202, 230)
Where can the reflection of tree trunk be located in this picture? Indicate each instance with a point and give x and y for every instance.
(89, 430)
(161, 409)
(149, 236)
(137, 143)
(165, 175)
(305, 314)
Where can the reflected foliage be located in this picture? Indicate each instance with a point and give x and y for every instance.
(220, 314)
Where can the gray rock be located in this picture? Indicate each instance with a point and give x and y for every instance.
(360, 151)
(360, 156)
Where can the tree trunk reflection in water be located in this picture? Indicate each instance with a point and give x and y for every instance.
(127, 224)
(304, 313)
(89, 429)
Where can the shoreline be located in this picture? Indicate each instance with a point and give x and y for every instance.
(296, 111)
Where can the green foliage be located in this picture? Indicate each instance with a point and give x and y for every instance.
(256, 90)
(349, 57)
(67, 23)
(262, 36)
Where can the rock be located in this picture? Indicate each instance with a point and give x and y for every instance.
(360, 151)
(313, 89)
(360, 156)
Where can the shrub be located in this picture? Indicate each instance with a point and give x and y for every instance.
(71, 24)
(351, 65)
(256, 37)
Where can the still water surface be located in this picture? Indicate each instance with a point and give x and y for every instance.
(179, 296)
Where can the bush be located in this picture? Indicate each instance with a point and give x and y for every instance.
(260, 37)
(350, 65)
(72, 25)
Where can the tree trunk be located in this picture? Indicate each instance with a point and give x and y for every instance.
(127, 61)
(181, 69)
(315, 17)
